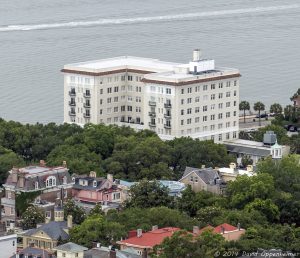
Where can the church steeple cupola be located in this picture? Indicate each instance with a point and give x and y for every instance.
(276, 151)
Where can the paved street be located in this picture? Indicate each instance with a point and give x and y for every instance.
(250, 124)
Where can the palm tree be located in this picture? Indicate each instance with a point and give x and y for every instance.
(259, 106)
(288, 112)
(244, 105)
(276, 108)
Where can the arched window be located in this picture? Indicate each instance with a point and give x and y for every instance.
(51, 181)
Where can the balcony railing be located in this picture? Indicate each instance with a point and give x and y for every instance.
(72, 103)
(87, 105)
(167, 126)
(87, 95)
(86, 115)
(152, 114)
(167, 116)
(152, 103)
(72, 113)
(168, 105)
(152, 125)
(72, 93)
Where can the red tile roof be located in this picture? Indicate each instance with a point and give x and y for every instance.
(149, 239)
(227, 227)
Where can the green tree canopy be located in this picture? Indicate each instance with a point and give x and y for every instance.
(78, 213)
(31, 217)
(147, 194)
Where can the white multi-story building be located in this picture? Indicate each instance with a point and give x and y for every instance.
(195, 99)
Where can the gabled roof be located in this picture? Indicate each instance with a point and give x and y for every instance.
(71, 247)
(208, 175)
(150, 238)
(219, 229)
(101, 183)
(54, 229)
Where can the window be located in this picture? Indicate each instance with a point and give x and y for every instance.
(189, 90)
(129, 98)
(234, 103)
(227, 124)
(213, 86)
(138, 109)
(116, 99)
(101, 101)
(123, 78)
(197, 119)
(204, 128)
(116, 109)
(220, 85)
(204, 118)
(108, 100)
(51, 181)
(234, 113)
(63, 254)
(234, 93)
(227, 104)
(197, 110)
(212, 106)
(212, 127)
(220, 105)
(182, 112)
(234, 83)
(130, 88)
(220, 126)
(192, 179)
(197, 88)
(138, 99)
(168, 90)
(122, 108)
(227, 114)
(234, 135)
(228, 94)
(129, 108)
(94, 183)
(189, 111)
(220, 115)
(189, 100)
(129, 78)
(109, 90)
(204, 87)
(220, 137)
(197, 99)
(189, 121)
(227, 136)
(182, 122)
(228, 84)
(101, 111)
(182, 101)
(212, 117)
(220, 95)
(101, 91)
(182, 91)
(212, 96)
(204, 108)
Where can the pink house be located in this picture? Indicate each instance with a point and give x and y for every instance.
(92, 189)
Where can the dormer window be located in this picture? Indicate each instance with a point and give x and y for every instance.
(94, 183)
(51, 181)
(36, 185)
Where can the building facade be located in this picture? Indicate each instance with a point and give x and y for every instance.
(49, 184)
(195, 99)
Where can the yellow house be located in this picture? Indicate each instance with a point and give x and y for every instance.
(48, 235)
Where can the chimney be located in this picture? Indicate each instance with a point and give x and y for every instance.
(132, 233)
(70, 221)
(154, 227)
(14, 175)
(21, 181)
(110, 177)
(139, 232)
(196, 55)
(64, 164)
(222, 230)
(239, 226)
(196, 230)
(98, 245)
(42, 163)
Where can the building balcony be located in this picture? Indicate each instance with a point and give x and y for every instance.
(168, 105)
(167, 126)
(86, 115)
(72, 103)
(72, 93)
(167, 116)
(87, 95)
(72, 113)
(87, 105)
(152, 125)
(152, 103)
(152, 114)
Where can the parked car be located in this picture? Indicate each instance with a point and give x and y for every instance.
(263, 115)
(293, 128)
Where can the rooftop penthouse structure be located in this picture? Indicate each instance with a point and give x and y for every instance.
(195, 99)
